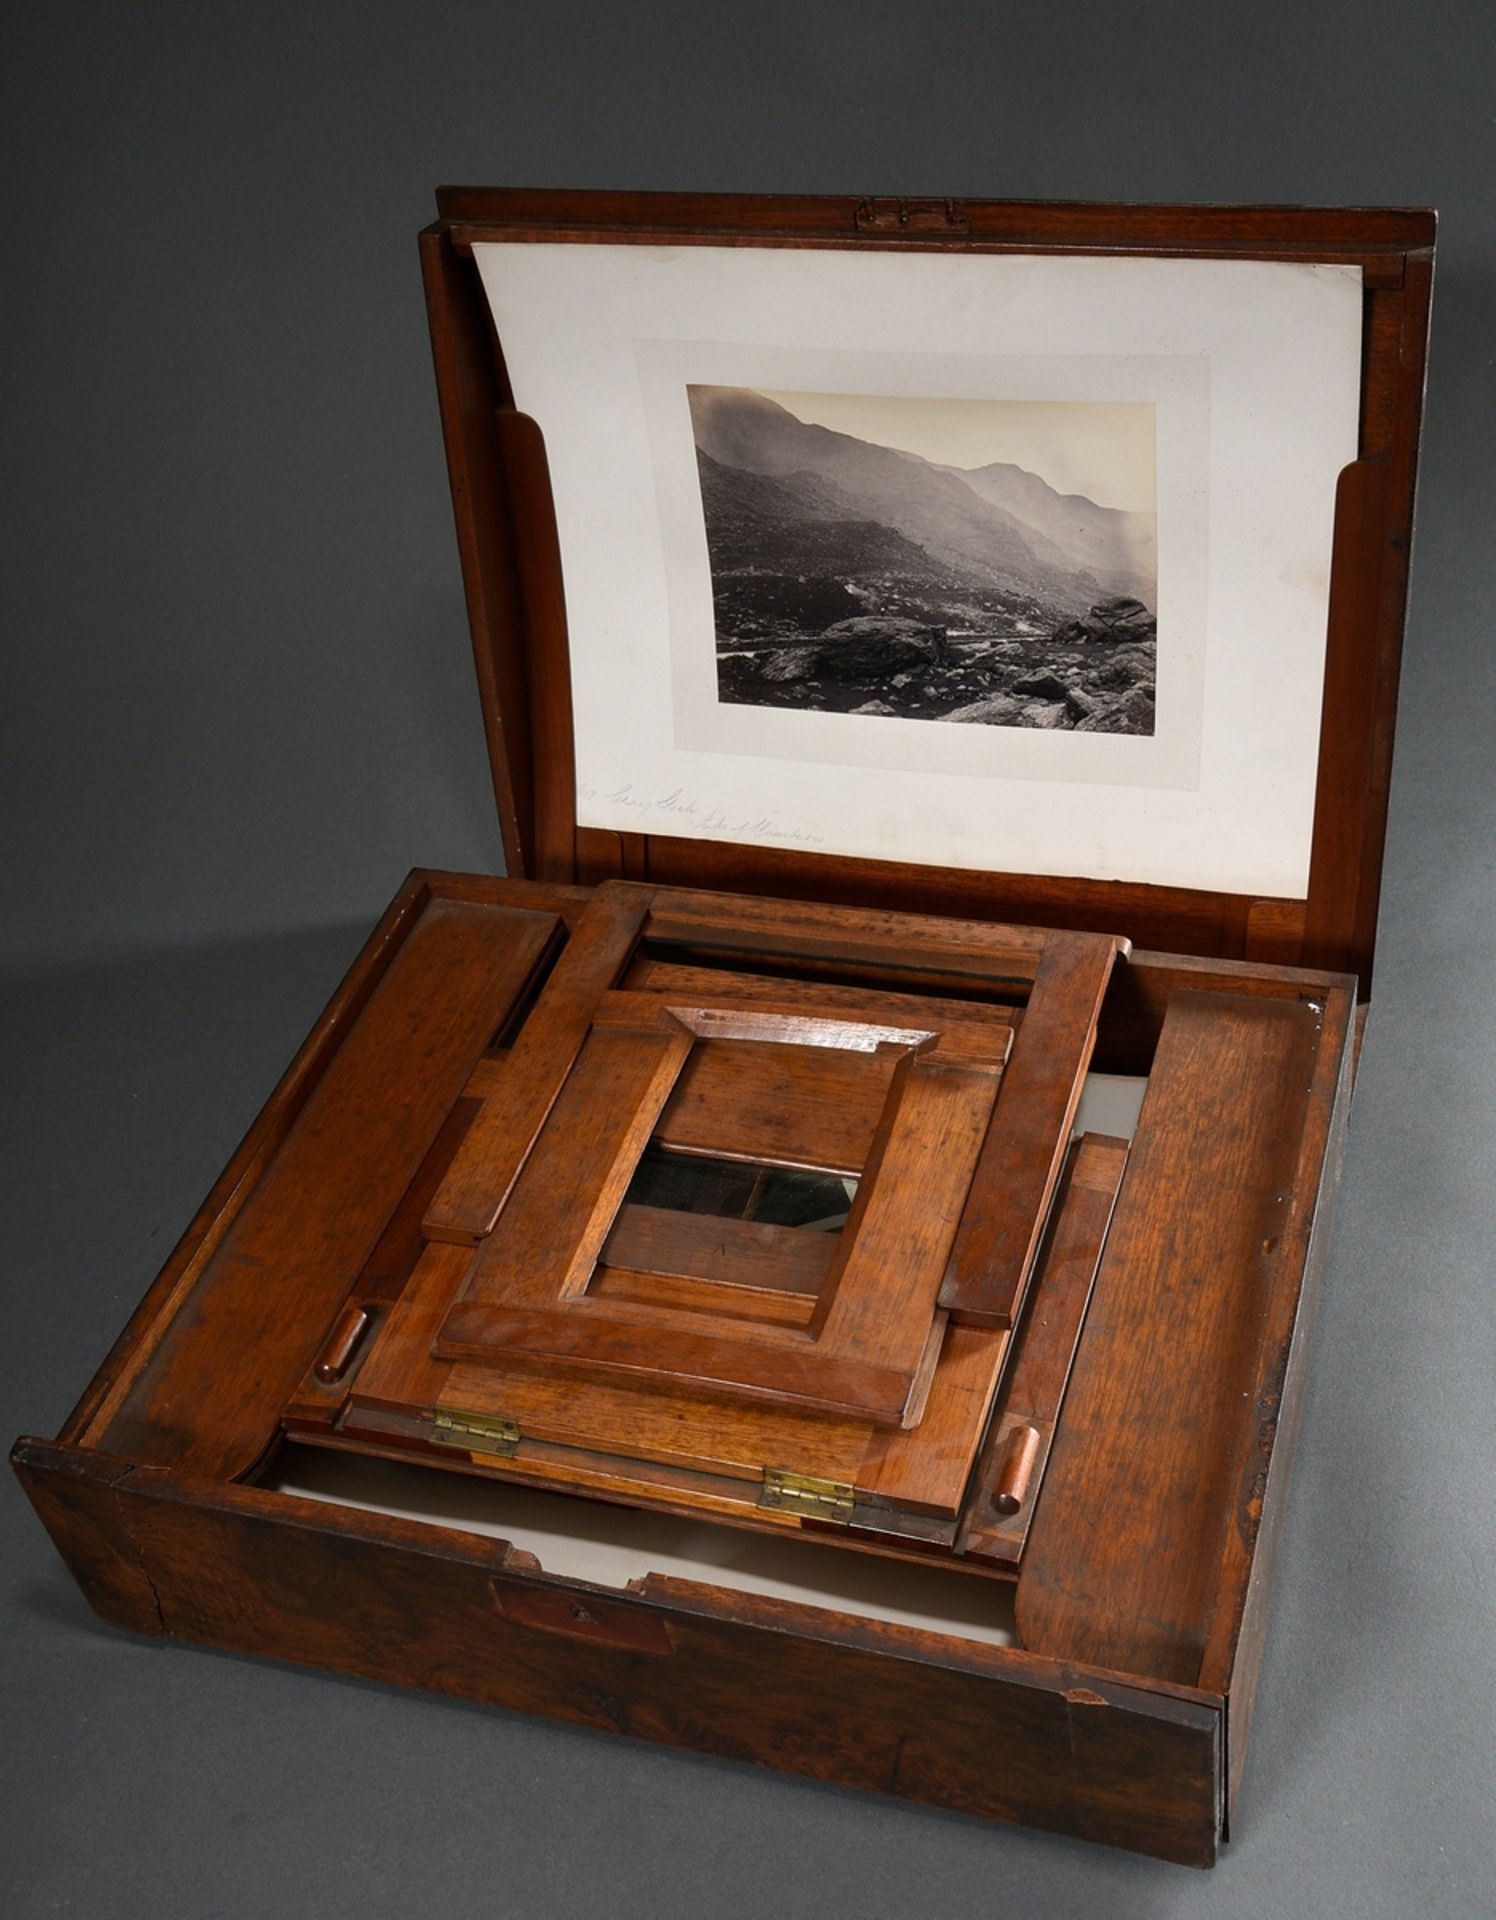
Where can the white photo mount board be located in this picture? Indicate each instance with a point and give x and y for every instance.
(1253, 369)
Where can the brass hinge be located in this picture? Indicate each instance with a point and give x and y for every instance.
(801, 1493)
(475, 1433)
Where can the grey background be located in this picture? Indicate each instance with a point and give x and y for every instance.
(237, 706)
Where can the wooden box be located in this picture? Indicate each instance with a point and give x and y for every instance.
(789, 1273)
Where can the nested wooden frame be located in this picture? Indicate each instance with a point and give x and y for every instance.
(512, 575)
(870, 1344)
(1058, 978)
(548, 1158)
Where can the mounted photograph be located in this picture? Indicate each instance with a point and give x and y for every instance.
(985, 562)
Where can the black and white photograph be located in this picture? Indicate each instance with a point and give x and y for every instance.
(986, 562)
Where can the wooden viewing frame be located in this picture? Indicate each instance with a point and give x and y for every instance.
(418, 1099)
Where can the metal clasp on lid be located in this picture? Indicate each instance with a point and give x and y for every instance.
(909, 216)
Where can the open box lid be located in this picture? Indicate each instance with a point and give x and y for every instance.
(1043, 563)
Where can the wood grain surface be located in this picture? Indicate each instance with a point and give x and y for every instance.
(1123, 1558)
(210, 1393)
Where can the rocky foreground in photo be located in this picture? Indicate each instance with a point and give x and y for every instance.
(1094, 674)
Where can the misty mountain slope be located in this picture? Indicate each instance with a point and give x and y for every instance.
(1117, 546)
(800, 524)
(974, 538)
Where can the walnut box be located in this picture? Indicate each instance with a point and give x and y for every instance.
(817, 1265)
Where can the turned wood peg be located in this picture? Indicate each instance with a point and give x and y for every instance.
(1019, 1455)
(348, 1330)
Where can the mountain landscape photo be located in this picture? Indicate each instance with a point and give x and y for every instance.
(851, 575)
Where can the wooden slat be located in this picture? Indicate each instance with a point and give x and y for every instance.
(924, 1469)
(680, 1292)
(542, 596)
(1051, 1331)
(1234, 1647)
(253, 1325)
(790, 1369)
(1166, 919)
(549, 1235)
(205, 1233)
(697, 985)
(470, 386)
(791, 1021)
(895, 1244)
(740, 1253)
(780, 1106)
(479, 1180)
(961, 950)
(1195, 1257)
(762, 219)
(623, 1416)
(994, 1252)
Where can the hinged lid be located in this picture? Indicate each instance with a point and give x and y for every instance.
(1042, 563)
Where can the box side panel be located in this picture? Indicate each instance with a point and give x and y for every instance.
(1233, 1657)
(75, 1494)
(264, 1273)
(1141, 1545)
(988, 1731)
(271, 1124)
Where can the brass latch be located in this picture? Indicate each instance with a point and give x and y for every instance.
(801, 1493)
(909, 216)
(475, 1433)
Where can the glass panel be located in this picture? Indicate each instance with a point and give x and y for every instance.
(736, 1190)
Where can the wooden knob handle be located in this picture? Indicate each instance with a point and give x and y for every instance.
(1019, 1455)
(341, 1345)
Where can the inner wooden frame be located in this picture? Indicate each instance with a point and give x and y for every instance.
(955, 997)
(511, 564)
(868, 1346)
